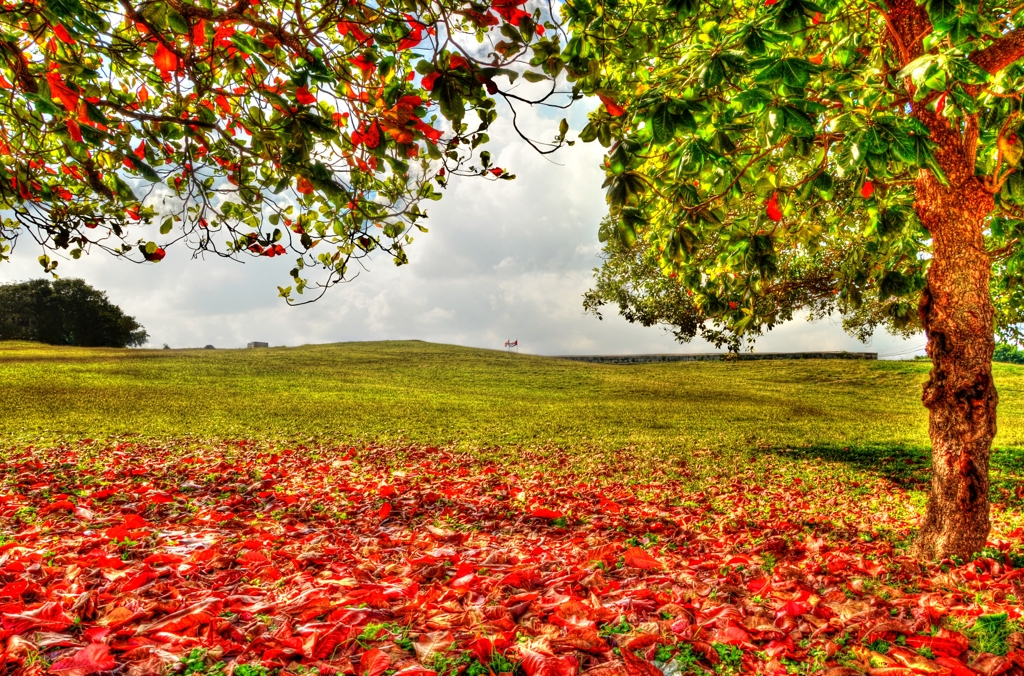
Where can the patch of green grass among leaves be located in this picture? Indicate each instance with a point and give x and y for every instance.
(519, 409)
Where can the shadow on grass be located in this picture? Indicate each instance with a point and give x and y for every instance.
(910, 467)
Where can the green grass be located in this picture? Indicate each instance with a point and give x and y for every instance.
(512, 405)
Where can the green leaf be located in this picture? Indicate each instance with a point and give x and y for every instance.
(176, 21)
(623, 186)
(122, 189)
(146, 171)
(963, 100)
(903, 147)
(798, 124)
(938, 10)
(663, 124)
(824, 186)
(894, 284)
(682, 8)
(753, 42)
(449, 98)
(626, 233)
(65, 8)
(713, 73)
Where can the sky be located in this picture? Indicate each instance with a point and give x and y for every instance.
(504, 260)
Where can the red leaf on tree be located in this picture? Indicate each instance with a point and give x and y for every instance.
(429, 80)
(363, 63)
(224, 104)
(346, 27)
(222, 37)
(74, 130)
(304, 186)
(510, 11)
(772, 208)
(62, 34)
(303, 96)
(165, 60)
(867, 189)
(61, 92)
(374, 663)
(91, 659)
(614, 109)
(140, 152)
(432, 135)
(371, 137)
(198, 35)
(415, 35)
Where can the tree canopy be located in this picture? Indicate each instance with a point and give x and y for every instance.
(752, 132)
(250, 128)
(65, 312)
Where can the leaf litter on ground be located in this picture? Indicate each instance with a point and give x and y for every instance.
(141, 559)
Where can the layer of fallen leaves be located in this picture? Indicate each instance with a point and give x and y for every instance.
(147, 560)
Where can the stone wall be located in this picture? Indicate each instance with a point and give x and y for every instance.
(714, 356)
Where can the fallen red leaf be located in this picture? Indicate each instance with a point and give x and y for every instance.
(91, 659)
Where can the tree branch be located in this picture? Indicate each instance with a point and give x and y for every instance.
(1001, 53)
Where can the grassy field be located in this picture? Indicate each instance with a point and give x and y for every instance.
(399, 392)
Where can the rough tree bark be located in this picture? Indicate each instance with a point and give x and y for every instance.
(957, 315)
(956, 306)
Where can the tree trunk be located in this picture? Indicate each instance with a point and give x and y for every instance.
(957, 315)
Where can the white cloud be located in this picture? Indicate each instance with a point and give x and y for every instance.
(503, 260)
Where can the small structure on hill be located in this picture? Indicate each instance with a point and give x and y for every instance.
(256, 343)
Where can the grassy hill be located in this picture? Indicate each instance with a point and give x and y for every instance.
(442, 394)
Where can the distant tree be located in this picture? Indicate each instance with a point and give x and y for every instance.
(1007, 353)
(818, 281)
(65, 312)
